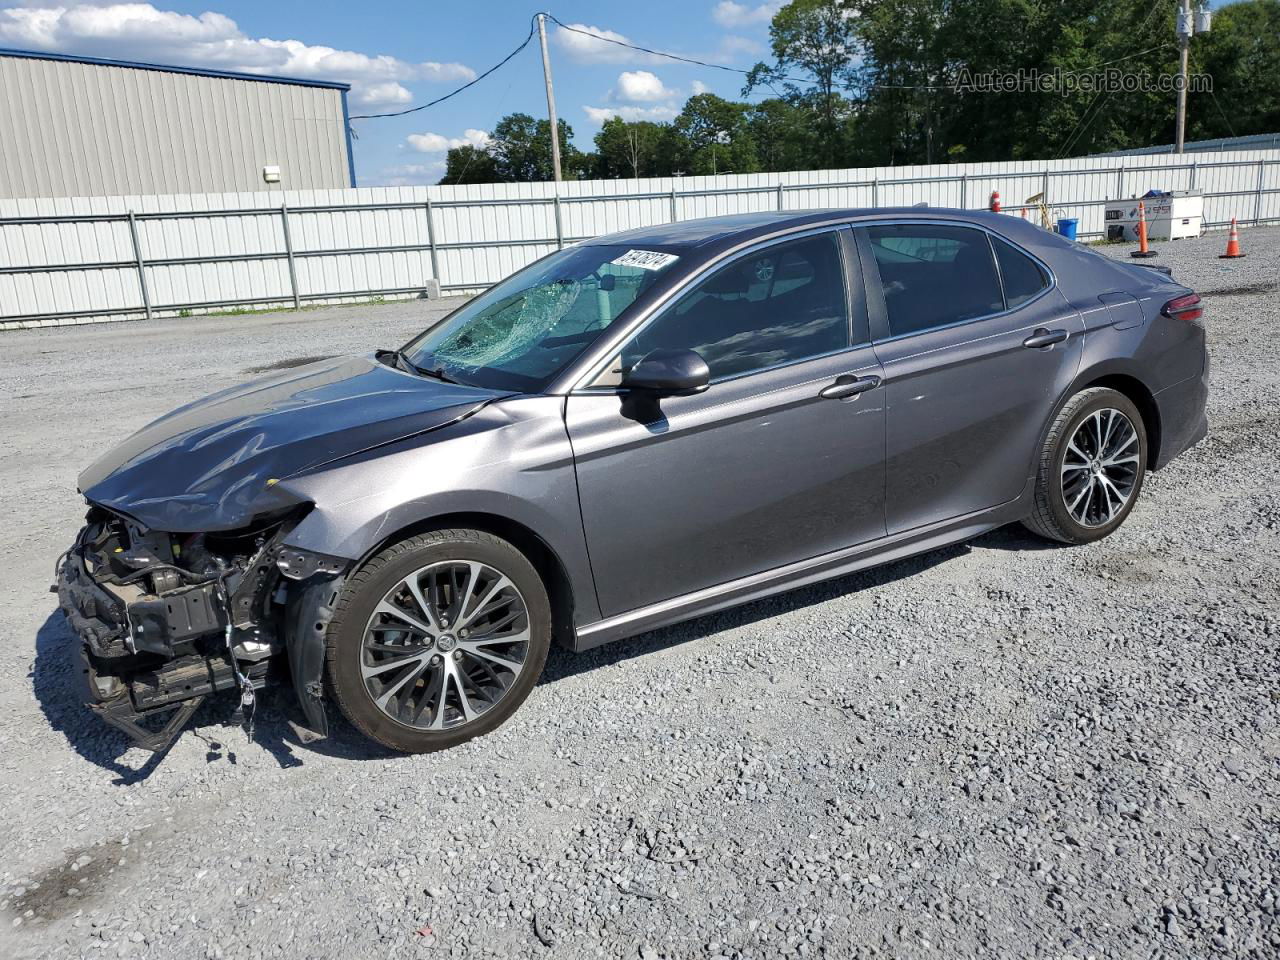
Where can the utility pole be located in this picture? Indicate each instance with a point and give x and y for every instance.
(1184, 54)
(551, 96)
(1185, 28)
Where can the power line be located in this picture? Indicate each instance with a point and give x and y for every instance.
(681, 59)
(704, 63)
(659, 53)
(1214, 97)
(1128, 56)
(739, 70)
(453, 93)
(532, 30)
(1084, 121)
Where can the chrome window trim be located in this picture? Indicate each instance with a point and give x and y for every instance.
(600, 355)
(969, 225)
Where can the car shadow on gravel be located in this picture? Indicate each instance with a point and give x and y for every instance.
(1014, 537)
(563, 663)
(57, 689)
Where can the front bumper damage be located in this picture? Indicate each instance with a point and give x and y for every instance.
(166, 620)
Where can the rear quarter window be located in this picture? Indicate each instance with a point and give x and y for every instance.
(1022, 277)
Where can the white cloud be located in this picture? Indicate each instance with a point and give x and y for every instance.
(698, 87)
(730, 14)
(381, 95)
(590, 49)
(438, 143)
(656, 114)
(140, 31)
(642, 86)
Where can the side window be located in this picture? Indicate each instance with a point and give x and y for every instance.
(777, 305)
(1023, 277)
(933, 275)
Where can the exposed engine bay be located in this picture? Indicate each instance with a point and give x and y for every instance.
(168, 619)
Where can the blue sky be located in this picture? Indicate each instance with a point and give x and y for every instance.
(399, 54)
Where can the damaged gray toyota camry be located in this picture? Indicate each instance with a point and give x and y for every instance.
(629, 432)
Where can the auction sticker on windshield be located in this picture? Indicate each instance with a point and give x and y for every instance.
(645, 259)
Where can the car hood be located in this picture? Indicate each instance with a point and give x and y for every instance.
(213, 464)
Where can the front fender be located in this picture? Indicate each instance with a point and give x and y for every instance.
(512, 460)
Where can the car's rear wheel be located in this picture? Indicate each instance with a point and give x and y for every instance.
(438, 639)
(1091, 468)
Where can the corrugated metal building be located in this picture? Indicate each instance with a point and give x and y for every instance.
(1256, 141)
(83, 127)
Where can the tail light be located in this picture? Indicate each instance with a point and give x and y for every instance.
(1187, 307)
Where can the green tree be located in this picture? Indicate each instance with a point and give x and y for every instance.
(915, 51)
(1241, 55)
(714, 137)
(468, 164)
(521, 150)
(784, 134)
(634, 149)
(818, 38)
(880, 82)
(905, 74)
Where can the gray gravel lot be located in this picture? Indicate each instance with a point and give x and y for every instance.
(996, 750)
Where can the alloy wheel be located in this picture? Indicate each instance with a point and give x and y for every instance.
(1100, 468)
(445, 645)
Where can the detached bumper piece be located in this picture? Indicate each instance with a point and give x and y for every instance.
(174, 689)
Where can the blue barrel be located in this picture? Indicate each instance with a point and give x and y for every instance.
(1067, 227)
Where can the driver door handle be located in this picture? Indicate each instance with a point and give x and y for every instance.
(847, 386)
(1042, 338)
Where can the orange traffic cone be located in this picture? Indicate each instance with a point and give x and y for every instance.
(1233, 243)
(1143, 250)
(995, 201)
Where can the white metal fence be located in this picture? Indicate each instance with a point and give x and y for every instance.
(86, 259)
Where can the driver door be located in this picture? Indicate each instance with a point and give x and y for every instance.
(760, 470)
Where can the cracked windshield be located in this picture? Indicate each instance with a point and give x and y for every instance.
(523, 331)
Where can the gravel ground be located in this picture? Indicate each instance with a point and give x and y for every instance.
(996, 750)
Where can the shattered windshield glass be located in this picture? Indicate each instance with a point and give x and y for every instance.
(521, 332)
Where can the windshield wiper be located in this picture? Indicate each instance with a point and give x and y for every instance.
(408, 366)
(437, 372)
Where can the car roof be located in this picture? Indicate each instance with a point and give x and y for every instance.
(736, 228)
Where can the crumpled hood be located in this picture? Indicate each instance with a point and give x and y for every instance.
(206, 466)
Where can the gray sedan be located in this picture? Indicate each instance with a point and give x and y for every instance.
(629, 432)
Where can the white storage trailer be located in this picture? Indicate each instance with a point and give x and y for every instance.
(1170, 216)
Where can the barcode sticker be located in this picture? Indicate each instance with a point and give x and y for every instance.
(645, 259)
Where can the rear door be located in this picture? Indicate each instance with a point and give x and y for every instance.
(977, 346)
(761, 469)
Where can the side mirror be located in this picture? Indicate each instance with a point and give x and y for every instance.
(668, 373)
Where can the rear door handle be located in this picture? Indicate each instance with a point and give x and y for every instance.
(1044, 338)
(847, 385)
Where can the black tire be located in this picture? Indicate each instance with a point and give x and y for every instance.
(1052, 519)
(371, 583)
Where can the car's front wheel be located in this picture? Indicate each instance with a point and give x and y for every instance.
(438, 639)
(1091, 468)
